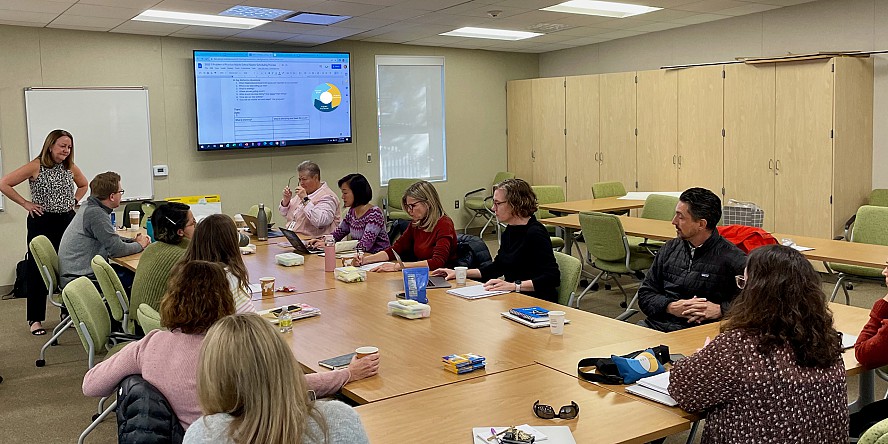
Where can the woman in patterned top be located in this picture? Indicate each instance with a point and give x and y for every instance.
(56, 185)
(775, 373)
(364, 220)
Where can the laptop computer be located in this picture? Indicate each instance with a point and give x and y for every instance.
(252, 223)
(434, 281)
(297, 243)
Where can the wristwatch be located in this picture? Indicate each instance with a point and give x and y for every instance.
(305, 200)
(518, 286)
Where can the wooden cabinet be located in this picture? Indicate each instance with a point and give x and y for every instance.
(617, 155)
(700, 126)
(519, 118)
(657, 130)
(548, 131)
(583, 130)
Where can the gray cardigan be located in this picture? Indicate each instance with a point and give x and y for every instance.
(90, 233)
(343, 427)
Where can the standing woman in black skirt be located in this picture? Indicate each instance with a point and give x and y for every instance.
(56, 186)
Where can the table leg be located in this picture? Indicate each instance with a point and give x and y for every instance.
(866, 389)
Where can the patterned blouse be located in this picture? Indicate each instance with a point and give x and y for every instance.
(53, 189)
(368, 229)
(748, 397)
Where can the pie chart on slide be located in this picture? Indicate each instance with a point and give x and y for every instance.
(326, 97)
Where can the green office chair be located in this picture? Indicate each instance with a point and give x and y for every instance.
(482, 206)
(878, 197)
(113, 292)
(547, 194)
(254, 211)
(47, 260)
(148, 208)
(570, 268)
(877, 434)
(149, 318)
(608, 250)
(870, 227)
(657, 207)
(391, 203)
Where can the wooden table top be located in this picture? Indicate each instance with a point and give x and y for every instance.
(448, 413)
(827, 250)
(846, 319)
(353, 315)
(602, 204)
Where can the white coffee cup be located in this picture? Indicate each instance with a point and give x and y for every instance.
(360, 352)
(134, 218)
(461, 275)
(556, 322)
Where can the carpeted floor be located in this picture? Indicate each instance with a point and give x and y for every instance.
(45, 405)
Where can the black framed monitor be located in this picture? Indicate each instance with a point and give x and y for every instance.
(262, 99)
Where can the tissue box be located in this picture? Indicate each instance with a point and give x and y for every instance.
(289, 259)
(409, 309)
(350, 274)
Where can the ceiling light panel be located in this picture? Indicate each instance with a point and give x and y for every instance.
(600, 8)
(310, 18)
(489, 33)
(255, 12)
(185, 18)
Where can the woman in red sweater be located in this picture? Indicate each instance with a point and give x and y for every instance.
(430, 239)
(871, 351)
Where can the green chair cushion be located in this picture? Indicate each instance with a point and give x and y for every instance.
(478, 204)
(637, 261)
(398, 215)
(557, 242)
(608, 189)
(877, 434)
(856, 270)
(570, 268)
(659, 207)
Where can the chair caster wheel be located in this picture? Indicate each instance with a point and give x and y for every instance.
(54, 343)
(594, 287)
(849, 285)
(607, 286)
(40, 362)
(1, 379)
(95, 416)
(584, 282)
(622, 305)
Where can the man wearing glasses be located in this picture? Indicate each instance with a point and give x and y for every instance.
(312, 209)
(692, 280)
(91, 232)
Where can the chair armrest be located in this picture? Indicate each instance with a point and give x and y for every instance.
(487, 207)
(473, 192)
(848, 224)
(122, 337)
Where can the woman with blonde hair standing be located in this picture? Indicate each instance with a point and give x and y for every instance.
(56, 186)
(430, 239)
(251, 390)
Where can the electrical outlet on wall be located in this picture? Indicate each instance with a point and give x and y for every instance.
(456, 204)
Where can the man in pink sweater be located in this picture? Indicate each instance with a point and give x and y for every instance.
(312, 209)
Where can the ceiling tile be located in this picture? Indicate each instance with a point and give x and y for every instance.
(44, 6)
(148, 28)
(583, 31)
(710, 5)
(700, 18)
(40, 24)
(552, 38)
(207, 31)
(343, 8)
(619, 34)
(436, 5)
(665, 15)
(376, 2)
(293, 5)
(482, 11)
(583, 41)
(103, 11)
(364, 24)
(654, 27)
(190, 6)
(783, 2)
(104, 23)
(464, 7)
(625, 23)
(440, 18)
(395, 13)
(749, 8)
(27, 17)
(263, 35)
(438, 40)
(136, 4)
(309, 39)
(528, 4)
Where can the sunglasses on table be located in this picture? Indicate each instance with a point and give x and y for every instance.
(547, 412)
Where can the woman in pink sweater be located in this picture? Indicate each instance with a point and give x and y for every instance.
(198, 295)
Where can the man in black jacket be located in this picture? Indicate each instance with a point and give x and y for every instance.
(692, 278)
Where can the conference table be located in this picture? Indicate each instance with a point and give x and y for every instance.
(603, 205)
(826, 250)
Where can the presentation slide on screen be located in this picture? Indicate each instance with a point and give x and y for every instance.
(247, 100)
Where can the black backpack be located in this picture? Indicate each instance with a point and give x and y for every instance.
(20, 288)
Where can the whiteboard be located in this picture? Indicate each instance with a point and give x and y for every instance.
(110, 127)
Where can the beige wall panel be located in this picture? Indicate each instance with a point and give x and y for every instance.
(852, 155)
(476, 135)
(581, 114)
(838, 25)
(548, 131)
(520, 112)
(657, 130)
(804, 149)
(721, 40)
(749, 138)
(618, 156)
(700, 123)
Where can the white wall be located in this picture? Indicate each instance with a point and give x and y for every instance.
(826, 25)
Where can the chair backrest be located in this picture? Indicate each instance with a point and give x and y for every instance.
(148, 208)
(659, 207)
(570, 268)
(608, 189)
(879, 197)
(111, 286)
(85, 305)
(871, 225)
(501, 176)
(254, 211)
(149, 318)
(604, 236)
(547, 194)
(396, 189)
(45, 256)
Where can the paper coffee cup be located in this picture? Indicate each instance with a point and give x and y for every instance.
(556, 322)
(360, 352)
(461, 275)
(267, 284)
(134, 218)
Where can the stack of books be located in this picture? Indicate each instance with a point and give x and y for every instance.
(297, 311)
(464, 363)
(532, 314)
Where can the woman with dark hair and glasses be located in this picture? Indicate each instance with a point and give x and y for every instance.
(173, 227)
(364, 221)
(775, 373)
(525, 262)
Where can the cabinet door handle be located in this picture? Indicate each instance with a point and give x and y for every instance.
(596, 157)
(679, 161)
(600, 157)
(770, 164)
(777, 167)
(673, 159)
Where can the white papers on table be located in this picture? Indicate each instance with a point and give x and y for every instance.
(643, 195)
(848, 340)
(474, 292)
(546, 434)
(655, 388)
(255, 288)
(525, 322)
(370, 267)
(801, 248)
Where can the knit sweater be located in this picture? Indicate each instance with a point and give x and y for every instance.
(369, 229)
(168, 360)
(155, 264)
(871, 349)
(343, 427)
(438, 246)
(526, 254)
(89, 234)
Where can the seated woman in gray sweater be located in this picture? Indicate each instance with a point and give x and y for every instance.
(251, 389)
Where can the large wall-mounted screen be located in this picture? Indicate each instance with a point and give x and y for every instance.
(271, 99)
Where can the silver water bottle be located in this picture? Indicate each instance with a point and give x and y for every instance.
(262, 223)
